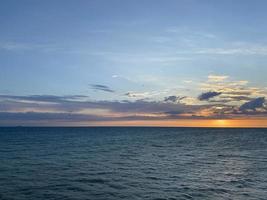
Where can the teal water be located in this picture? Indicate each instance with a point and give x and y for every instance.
(133, 163)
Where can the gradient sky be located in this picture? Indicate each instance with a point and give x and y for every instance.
(182, 62)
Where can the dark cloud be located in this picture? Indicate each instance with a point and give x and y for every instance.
(51, 119)
(208, 95)
(76, 108)
(101, 88)
(149, 107)
(129, 94)
(74, 104)
(174, 98)
(253, 104)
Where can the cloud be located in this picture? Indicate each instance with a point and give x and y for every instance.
(187, 81)
(53, 119)
(244, 50)
(232, 91)
(216, 78)
(137, 94)
(76, 104)
(43, 98)
(159, 58)
(208, 95)
(101, 88)
(49, 108)
(142, 106)
(44, 47)
(79, 108)
(174, 99)
(144, 95)
(253, 104)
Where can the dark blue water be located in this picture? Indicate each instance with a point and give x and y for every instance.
(133, 163)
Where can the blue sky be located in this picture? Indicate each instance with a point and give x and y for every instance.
(135, 50)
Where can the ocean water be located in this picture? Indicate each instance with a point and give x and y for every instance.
(133, 163)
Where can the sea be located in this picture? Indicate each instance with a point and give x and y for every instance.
(135, 163)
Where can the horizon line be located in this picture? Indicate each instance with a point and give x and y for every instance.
(202, 127)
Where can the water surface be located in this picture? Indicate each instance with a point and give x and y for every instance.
(133, 163)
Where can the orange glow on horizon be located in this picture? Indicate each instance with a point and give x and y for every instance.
(220, 123)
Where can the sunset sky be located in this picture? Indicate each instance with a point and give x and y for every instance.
(133, 63)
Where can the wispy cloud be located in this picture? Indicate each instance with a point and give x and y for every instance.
(101, 88)
(43, 98)
(260, 50)
(137, 94)
(23, 46)
(216, 78)
(144, 95)
(185, 31)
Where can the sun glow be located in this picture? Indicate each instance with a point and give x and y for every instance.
(221, 123)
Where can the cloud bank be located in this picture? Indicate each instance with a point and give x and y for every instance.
(234, 100)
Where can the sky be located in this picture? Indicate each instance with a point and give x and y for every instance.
(133, 63)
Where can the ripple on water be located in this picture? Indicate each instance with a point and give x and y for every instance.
(133, 163)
